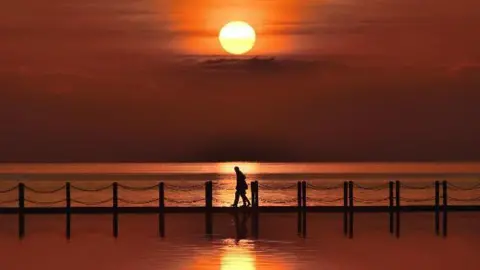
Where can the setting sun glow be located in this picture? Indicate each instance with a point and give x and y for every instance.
(237, 37)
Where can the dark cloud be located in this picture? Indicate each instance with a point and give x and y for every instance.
(263, 64)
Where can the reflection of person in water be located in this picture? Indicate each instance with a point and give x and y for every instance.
(241, 188)
(241, 225)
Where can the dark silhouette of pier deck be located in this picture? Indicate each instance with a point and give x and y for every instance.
(394, 207)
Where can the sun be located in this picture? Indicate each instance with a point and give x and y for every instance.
(237, 37)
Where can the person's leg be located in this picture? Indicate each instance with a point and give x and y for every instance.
(237, 196)
(245, 199)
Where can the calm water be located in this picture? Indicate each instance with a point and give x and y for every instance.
(278, 246)
(184, 182)
(232, 247)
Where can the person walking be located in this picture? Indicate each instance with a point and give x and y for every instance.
(241, 188)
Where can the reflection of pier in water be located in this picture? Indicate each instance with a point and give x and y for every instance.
(241, 215)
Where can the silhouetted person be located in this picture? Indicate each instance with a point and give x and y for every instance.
(241, 226)
(241, 188)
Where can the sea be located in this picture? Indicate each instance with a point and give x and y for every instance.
(232, 245)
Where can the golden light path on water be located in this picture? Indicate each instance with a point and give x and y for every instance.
(238, 257)
(241, 255)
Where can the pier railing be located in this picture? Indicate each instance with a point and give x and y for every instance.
(301, 194)
(309, 197)
(304, 195)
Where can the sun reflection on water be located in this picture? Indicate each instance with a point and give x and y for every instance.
(242, 254)
(237, 256)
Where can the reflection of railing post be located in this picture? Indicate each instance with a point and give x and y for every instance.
(345, 207)
(115, 209)
(445, 207)
(68, 210)
(350, 197)
(161, 209)
(21, 210)
(390, 206)
(437, 207)
(397, 202)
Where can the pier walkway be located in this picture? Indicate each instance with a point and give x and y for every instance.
(391, 204)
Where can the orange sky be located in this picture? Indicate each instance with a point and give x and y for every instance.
(418, 30)
(197, 24)
(108, 79)
(406, 30)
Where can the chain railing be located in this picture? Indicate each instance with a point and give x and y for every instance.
(98, 189)
(353, 198)
(8, 190)
(134, 188)
(96, 203)
(324, 200)
(324, 187)
(313, 199)
(382, 186)
(418, 187)
(457, 187)
(277, 187)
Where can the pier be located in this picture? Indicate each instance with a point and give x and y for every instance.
(442, 204)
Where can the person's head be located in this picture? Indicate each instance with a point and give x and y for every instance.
(236, 169)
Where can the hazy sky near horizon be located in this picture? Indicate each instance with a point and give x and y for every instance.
(124, 80)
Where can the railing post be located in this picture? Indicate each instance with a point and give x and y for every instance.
(255, 217)
(345, 207)
(161, 196)
(304, 205)
(397, 202)
(299, 195)
(68, 210)
(390, 206)
(437, 207)
(304, 195)
(211, 194)
(252, 192)
(257, 200)
(299, 207)
(161, 209)
(21, 210)
(208, 208)
(445, 207)
(208, 195)
(115, 209)
(351, 206)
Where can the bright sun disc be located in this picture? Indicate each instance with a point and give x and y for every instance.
(237, 37)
